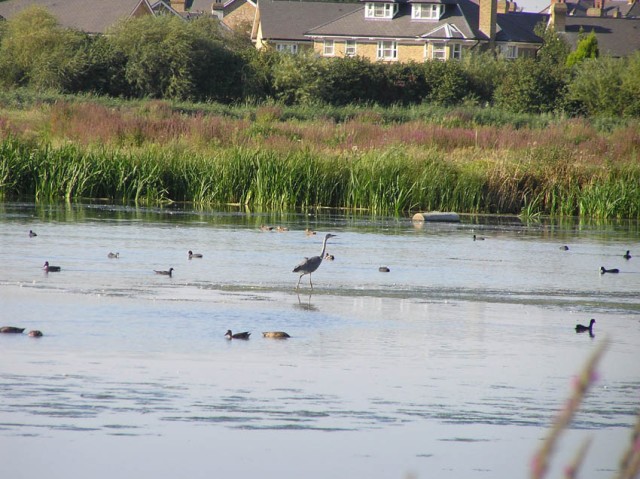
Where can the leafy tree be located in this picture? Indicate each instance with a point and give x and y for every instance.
(630, 86)
(448, 82)
(350, 80)
(529, 86)
(35, 51)
(587, 48)
(597, 86)
(555, 49)
(166, 57)
(484, 71)
(295, 78)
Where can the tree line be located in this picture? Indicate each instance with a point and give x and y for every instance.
(166, 57)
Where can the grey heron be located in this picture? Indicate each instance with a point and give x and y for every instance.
(309, 265)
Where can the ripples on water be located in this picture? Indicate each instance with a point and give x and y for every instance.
(460, 336)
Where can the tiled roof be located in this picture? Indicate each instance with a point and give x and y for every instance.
(616, 36)
(401, 26)
(88, 16)
(519, 27)
(610, 7)
(283, 20)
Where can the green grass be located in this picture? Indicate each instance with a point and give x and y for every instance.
(386, 161)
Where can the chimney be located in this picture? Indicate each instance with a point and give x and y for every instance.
(217, 9)
(178, 5)
(487, 20)
(596, 10)
(503, 6)
(558, 17)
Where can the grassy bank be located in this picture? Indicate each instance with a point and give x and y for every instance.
(153, 152)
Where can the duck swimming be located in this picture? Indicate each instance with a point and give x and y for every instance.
(275, 335)
(564, 248)
(194, 255)
(113, 255)
(51, 269)
(32, 234)
(582, 329)
(11, 330)
(329, 257)
(603, 270)
(384, 269)
(627, 255)
(35, 333)
(169, 272)
(230, 335)
(478, 238)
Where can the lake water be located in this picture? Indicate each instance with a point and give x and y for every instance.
(452, 365)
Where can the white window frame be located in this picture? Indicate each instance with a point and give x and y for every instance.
(430, 11)
(509, 51)
(456, 51)
(387, 50)
(350, 49)
(438, 51)
(380, 10)
(328, 48)
(291, 48)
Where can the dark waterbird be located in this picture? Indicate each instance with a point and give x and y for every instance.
(478, 238)
(230, 335)
(580, 328)
(168, 272)
(194, 255)
(384, 269)
(604, 270)
(309, 265)
(32, 234)
(11, 330)
(564, 248)
(51, 269)
(35, 333)
(627, 255)
(113, 255)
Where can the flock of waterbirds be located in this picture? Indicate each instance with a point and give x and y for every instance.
(306, 267)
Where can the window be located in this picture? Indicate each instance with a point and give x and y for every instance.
(456, 51)
(387, 51)
(350, 48)
(425, 11)
(380, 10)
(328, 48)
(287, 47)
(438, 51)
(509, 51)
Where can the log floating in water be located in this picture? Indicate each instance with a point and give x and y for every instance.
(437, 216)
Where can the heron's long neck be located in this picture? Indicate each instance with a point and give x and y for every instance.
(324, 247)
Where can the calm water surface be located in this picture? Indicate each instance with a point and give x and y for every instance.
(452, 365)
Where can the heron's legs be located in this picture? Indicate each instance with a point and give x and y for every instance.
(310, 283)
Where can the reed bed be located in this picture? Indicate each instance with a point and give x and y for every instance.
(394, 180)
(154, 152)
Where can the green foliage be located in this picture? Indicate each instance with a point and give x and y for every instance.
(597, 86)
(630, 86)
(587, 48)
(530, 86)
(554, 50)
(36, 51)
(485, 71)
(448, 82)
(166, 57)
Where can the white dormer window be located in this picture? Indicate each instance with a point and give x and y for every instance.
(427, 11)
(380, 10)
(509, 51)
(287, 48)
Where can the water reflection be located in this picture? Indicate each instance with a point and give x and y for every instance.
(306, 304)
